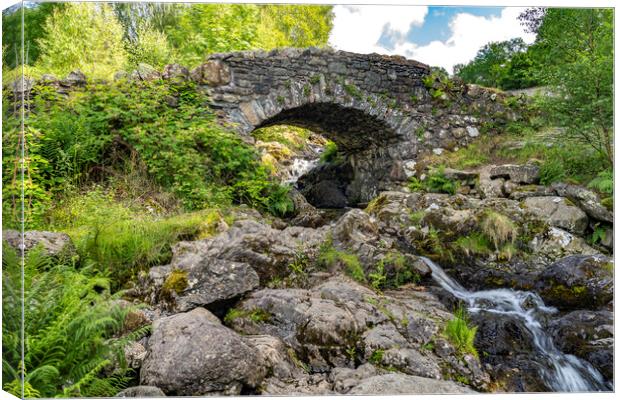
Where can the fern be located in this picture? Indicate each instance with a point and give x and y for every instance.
(71, 329)
(604, 182)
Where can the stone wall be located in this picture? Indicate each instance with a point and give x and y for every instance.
(382, 111)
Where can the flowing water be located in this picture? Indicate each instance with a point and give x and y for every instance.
(567, 373)
(298, 167)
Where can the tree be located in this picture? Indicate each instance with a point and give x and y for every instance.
(294, 26)
(149, 46)
(493, 66)
(203, 29)
(34, 18)
(577, 48)
(84, 36)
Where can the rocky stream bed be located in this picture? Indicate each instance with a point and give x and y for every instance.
(255, 309)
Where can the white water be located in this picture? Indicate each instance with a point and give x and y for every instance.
(299, 167)
(568, 373)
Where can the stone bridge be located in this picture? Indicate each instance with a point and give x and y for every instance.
(382, 111)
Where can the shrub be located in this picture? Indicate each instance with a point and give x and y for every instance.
(435, 182)
(498, 228)
(72, 326)
(461, 334)
(330, 153)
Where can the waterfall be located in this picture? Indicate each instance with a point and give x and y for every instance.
(568, 373)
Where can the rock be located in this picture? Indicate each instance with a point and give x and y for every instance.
(588, 335)
(326, 194)
(410, 361)
(472, 131)
(326, 185)
(274, 355)
(525, 174)
(134, 354)
(578, 281)
(305, 214)
(455, 174)
(267, 250)
(54, 244)
(200, 281)
(556, 243)
(344, 379)
(585, 199)
(145, 72)
(192, 354)
(175, 72)
(501, 335)
(303, 385)
(558, 211)
(141, 391)
(520, 192)
(490, 188)
(75, 78)
(213, 73)
(405, 384)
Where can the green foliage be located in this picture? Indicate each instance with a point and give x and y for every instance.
(604, 182)
(506, 65)
(123, 240)
(393, 271)
(435, 182)
(376, 357)
(291, 136)
(473, 244)
(551, 171)
(461, 334)
(84, 36)
(353, 91)
(72, 329)
(578, 56)
(329, 257)
(151, 47)
(330, 153)
(34, 18)
(181, 147)
(294, 25)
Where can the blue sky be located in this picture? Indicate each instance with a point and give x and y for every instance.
(440, 36)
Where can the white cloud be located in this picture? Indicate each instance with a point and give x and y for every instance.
(359, 28)
(468, 33)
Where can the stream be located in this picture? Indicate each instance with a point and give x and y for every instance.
(566, 373)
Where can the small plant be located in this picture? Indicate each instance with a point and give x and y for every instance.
(315, 79)
(551, 171)
(255, 315)
(330, 256)
(604, 182)
(499, 229)
(330, 152)
(353, 91)
(176, 282)
(376, 357)
(599, 234)
(416, 217)
(378, 278)
(473, 244)
(280, 99)
(435, 182)
(461, 334)
(307, 89)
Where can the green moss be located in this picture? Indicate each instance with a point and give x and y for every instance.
(375, 204)
(608, 203)
(329, 256)
(175, 282)
(416, 217)
(352, 91)
(255, 315)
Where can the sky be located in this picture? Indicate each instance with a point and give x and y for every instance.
(438, 36)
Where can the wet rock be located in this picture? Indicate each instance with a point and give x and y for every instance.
(501, 335)
(407, 384)
(192, 354)
(588, 335)
(141, 391)
(578, 281)
(559, 212)
(524, 174)
(585, 199)
(53, 244)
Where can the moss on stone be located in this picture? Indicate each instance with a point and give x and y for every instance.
(175, 282)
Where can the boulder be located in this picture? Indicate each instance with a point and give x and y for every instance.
(406, 384)
(141, 391)
(490, 188)
(198, 280)
(577, 282)
(54, 244)
(175, 72)
(344, 379)
(588, 335)
(559, 212)
(192, 354)
(585, 199)
(326, 185)
(524, 174)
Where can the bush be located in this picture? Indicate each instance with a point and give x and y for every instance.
(76, 140)
(461, 334)
(435, 182)
(72, 329)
